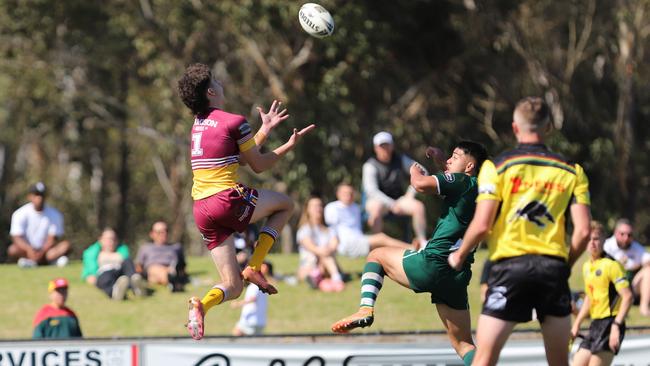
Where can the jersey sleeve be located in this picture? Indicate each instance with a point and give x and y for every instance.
(581, 190)
(489, 183)
(617, 276)
(242, 133)
(451, 184)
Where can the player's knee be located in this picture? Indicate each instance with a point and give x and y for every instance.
(285, 203)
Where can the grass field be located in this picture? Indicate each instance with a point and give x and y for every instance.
(297, 309)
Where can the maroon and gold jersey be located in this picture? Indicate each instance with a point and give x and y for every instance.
(218, 138)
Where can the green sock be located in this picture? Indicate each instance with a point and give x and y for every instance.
(371, 282)
(469, 357)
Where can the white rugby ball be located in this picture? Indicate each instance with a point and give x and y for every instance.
(316, 20)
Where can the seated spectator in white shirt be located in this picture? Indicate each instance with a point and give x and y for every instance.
(36, 230)
(344, 217)
(636, 261)
(161, 262)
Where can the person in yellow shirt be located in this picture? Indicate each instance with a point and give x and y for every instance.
(608, 301)
(524, 196)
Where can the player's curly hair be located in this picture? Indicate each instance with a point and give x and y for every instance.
(192, 87)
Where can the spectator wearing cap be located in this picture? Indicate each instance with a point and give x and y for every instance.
(36, 232)
(386, 184)
(55, 320)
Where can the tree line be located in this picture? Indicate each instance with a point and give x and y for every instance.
(88, 101)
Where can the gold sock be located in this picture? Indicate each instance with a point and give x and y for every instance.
(264, 244)
(214, 297)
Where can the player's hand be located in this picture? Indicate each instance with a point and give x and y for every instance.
(575, 329)
(455, 261)
(297, 135)
(614, 338)
(416, 170)
(273, 117)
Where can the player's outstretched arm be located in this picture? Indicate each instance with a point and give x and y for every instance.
(421, 182)
(269, 119)
(477, 231)
(261, 162)
(581, 217)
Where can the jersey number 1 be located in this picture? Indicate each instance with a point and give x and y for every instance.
(196, 144)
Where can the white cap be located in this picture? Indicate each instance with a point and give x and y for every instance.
(382, 137)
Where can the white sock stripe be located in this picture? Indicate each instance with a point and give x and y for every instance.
(372, 276)
(223, 289)
(367, 301)
(370, 288)
(271, 231)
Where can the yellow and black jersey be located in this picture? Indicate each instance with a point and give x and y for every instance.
(534, 187)
(603, 279)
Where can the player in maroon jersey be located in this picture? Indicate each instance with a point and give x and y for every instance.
(222, 206)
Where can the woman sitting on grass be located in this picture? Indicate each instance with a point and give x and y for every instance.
(107, 265)
(318, 249)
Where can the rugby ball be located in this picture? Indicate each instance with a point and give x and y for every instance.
(316, 20)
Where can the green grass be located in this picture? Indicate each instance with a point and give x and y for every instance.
(297, 309)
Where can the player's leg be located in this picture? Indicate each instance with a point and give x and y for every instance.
(581, 358)
(641, 285)
(380, 262)
(59, 249)
(382, 240)
(376, 211)
(230, 287)
(556, 332)
(277, 207)
(412, 207)
(459, 330)
(491, 335)
(601, 359)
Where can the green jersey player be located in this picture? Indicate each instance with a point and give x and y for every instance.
(427, 270)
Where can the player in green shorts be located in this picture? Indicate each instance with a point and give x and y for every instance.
(427, 270)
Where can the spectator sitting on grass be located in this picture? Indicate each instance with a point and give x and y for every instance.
(635, 260)
(317, 249)
(55, 320)
(107, 265)
(162, 263)
(343, 216)
(36, 229)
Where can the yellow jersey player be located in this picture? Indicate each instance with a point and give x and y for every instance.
(608, 300)
(524, 194)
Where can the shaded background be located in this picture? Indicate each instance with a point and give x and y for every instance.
(88, 101)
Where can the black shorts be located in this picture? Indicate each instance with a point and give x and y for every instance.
(518, 285)
(598, 338)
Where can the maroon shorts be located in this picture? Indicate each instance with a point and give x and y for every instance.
(223, 213)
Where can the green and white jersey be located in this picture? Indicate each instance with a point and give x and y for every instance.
(459, 192)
